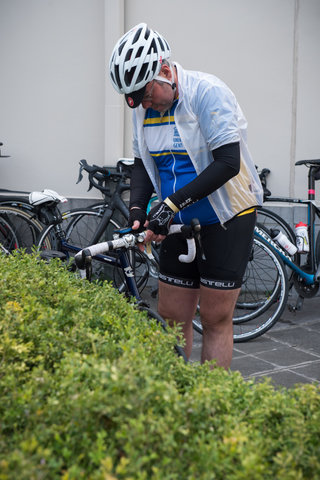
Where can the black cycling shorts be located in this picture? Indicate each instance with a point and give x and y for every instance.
(226, 249)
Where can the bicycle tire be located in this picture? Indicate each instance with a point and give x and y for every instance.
(8, 239)
(263, 296)
(317, 252)
(26, 227)
(17, 202)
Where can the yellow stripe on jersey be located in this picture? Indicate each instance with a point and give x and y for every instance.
(168, 152)
(158, 120)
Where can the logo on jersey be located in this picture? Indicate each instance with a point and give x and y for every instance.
(177, 143)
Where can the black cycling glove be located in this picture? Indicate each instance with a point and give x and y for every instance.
(160, 218)
(137, 214)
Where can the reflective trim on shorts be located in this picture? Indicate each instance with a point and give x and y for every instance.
(220, 284)
(179, 282)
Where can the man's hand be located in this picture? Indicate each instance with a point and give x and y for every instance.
(137, 218)
(160, 219)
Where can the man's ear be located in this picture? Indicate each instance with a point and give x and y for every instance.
(166, 71)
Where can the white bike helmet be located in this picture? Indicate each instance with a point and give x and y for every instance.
(136, 60)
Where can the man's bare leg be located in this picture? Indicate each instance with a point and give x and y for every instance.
(178, 305)
(216, 312)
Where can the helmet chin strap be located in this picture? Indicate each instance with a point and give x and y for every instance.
(164, 80)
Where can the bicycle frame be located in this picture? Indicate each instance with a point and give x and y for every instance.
(121, 261)
(312, 212)
(109, 207)
(309, 278)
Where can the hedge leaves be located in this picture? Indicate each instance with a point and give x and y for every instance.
(90, 389)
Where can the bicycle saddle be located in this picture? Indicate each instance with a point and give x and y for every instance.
(315, 162)
(46, 196)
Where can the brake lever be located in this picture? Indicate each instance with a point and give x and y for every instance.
(80, 177)
(196, 228)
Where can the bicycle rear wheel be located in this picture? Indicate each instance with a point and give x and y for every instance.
(263, 294)
(26, 228)
(77, 227)
(8, 239)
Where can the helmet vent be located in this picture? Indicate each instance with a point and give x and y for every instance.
(137, 36)
(129, 75)
(128, 55)
(143, 72)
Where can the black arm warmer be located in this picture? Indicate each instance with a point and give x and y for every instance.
(226, 165)
(141, 187)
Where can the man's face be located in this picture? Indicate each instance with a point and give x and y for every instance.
(159, 96)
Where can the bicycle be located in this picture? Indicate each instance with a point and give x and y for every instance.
(305, 277)
(29, 220)
(271, 220)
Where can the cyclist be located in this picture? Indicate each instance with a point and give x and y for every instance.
(190, 146)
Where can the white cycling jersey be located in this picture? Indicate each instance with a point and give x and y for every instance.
(207, 116)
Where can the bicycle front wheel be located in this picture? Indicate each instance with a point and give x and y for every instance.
(81, 230)
(263, 294)
(77, 227)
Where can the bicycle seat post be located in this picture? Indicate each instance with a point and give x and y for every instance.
(311, 182)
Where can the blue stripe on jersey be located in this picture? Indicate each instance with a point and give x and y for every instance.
(174, 164)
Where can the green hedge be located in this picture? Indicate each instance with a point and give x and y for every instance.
(89, 389)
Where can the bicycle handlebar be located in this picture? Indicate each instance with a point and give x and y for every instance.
(99, 175)
(128, 240)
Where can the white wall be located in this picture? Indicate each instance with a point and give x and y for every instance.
(308, 97)
(57, 105)
(52, 87)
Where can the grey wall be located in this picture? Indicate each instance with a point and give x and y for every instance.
(57, 105)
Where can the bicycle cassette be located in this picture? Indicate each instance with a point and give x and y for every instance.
(306, 291)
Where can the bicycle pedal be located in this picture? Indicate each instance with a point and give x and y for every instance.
(154, 292)
(292, 308)
(48, 255)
